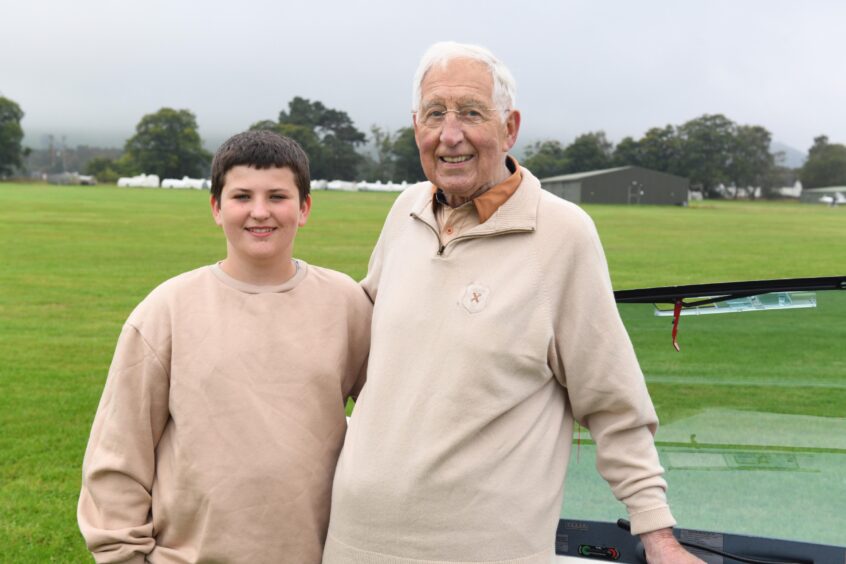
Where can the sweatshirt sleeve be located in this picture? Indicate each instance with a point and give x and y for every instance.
(114, 510)
(359, 341)
(595, 360)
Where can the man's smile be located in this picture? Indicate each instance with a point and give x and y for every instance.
(455, 160)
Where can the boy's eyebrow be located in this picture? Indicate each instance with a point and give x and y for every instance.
(274, 189)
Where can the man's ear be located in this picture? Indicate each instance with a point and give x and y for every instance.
(512, 128)
(305, 209)
(215, 209)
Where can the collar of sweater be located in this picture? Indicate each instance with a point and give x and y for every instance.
(518, 213)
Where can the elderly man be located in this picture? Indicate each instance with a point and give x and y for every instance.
(494, 328)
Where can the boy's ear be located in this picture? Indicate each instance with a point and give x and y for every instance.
(215, 209)
(305, 209)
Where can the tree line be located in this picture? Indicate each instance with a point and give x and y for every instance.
(710, 150)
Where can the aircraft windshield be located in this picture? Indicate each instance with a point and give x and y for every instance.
(753, 422)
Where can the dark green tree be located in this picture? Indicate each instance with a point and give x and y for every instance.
(590, 151)
(660, 149)
(406, 157)
(11, 136)
(307, 139)
(627, 153)
(826, 164)
(751, 159)
(707, 145)
(167, 143)
(545, 159)
(108, 170)
(379, 163)
(338, 138)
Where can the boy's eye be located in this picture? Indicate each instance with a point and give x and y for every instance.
(278, 197)
(242, 197)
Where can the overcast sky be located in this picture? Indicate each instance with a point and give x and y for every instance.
(90, 69)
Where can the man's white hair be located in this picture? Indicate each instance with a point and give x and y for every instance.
(504, 86)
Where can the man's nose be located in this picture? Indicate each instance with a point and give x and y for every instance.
(452, 131)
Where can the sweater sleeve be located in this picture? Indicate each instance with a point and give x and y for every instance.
(114, 510)
(595, 360)
(395, 222)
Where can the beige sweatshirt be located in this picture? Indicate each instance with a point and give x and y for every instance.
(221, 421)
(484, 350)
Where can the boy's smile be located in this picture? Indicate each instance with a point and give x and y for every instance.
(260, 212)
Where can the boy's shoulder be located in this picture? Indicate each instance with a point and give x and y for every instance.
(336, 285)
(180, 287)
(185, 282)
(332, 278)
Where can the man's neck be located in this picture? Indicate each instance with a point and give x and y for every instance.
(455, 200)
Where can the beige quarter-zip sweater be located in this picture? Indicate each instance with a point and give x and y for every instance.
(221, 420)
(485, 349)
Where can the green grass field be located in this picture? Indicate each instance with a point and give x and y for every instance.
(76, 260)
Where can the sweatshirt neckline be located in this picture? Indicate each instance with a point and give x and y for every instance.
(248, 288)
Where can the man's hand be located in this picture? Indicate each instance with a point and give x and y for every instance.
(663, 548)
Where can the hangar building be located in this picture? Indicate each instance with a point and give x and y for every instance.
(823, 195)
(622, 185)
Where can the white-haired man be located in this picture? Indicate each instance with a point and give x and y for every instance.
(494, 328)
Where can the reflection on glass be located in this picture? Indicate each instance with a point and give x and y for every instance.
(753, 422)
(773, 300)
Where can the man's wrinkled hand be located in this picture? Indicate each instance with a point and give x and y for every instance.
(662, 548)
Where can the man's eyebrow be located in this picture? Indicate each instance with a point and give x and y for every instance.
(470, 101)
(463, 101)
(433, 102)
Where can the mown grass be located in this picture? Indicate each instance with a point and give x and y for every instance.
(74, 261)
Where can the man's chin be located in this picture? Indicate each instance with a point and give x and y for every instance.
(457, 184)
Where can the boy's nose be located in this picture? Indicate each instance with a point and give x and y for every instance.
(259, 210)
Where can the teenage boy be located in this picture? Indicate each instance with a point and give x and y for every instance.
(223, 413)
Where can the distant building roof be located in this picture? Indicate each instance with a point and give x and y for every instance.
(591, 173)
(580, 175)
(826, 189)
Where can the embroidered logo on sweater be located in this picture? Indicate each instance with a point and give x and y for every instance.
(475, 298)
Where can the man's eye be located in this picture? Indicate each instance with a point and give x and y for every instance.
(436, 114)
(472, 114)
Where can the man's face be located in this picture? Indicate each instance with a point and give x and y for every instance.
(463, 159)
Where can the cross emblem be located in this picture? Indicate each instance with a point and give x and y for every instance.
(475, 297)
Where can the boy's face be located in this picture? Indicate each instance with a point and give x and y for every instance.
(260, 212)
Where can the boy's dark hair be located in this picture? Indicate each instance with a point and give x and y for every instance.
(260, 149)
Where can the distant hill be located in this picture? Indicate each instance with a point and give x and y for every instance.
(793, 158)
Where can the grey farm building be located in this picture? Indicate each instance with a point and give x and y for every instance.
(623, 185)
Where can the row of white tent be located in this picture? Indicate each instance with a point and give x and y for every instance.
(363, 186)
(152, 181)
